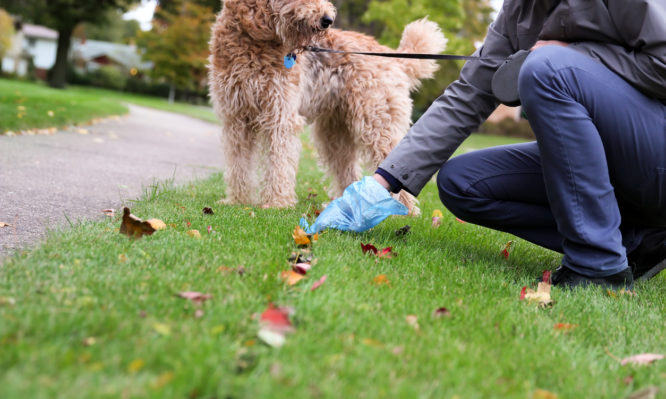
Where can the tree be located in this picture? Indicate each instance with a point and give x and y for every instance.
(173, 6)
(6, 32)
(114, 29)
(463, 22)
(178, 46)
(63, 16)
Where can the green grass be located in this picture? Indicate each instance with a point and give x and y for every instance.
(76, 321)
(27, 105)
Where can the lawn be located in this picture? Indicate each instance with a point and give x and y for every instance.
(93, 314)
(27, 105)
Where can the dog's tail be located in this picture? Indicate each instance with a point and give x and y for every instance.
(421, 36)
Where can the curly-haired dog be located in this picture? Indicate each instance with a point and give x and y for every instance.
(359, 106)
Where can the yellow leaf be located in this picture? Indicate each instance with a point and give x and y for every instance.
(543, 394)
(194, 233)
(541, 296)
(50, 113)
(163, 379)
(381, 280)
(291, 277)
(135, 365)
(122, 258)
(162, 329)
(82, 131)
(300, 237)
(157, 224)
(437, 214)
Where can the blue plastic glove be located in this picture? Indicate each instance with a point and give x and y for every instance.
(363, 205)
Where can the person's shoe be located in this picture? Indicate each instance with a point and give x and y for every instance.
(649, 258)
(567, 278)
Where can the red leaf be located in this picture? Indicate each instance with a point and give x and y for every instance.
(386, 253)
(546, 276)
(507, 249)
(369, 247)
(209, 229)
(564, 326)
(523, 292)
(301, 268)
(318, 283)
(276, 318)
(441, 312)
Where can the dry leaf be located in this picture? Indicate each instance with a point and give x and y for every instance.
(108, 212)
(301, 268)
(89, 341)
(122, 258)
(194, 233)
(300, 237)
(194, 296)
(564, 326)
(543, 394)
(162, 329)
(647, 393)
(413, 321)
(507, 249)
(442, 312)
(318, 283)
(386, 253)
(209, 229)
(274, 325)
(368, 247)
(381, 280)
(135, 365)
(157, 224)
(208, 211)
(133, 226)
(643, 358)
(291, 277)
(541, 296)
(403, 230)
(3, 224)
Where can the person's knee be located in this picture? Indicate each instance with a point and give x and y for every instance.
(451, 185)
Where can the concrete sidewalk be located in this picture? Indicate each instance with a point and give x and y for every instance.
(45, 180)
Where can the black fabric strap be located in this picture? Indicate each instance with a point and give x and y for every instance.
(419, 56)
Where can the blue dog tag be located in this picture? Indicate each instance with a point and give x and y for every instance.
(289, 60)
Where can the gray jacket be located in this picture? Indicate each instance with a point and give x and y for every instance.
(628, 36)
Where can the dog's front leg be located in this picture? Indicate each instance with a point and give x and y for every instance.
(283, 150)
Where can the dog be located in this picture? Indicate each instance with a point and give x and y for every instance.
(358, 106)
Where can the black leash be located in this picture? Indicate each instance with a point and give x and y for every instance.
(314, 49)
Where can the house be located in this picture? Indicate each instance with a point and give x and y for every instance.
(90, 55)
(31, 44)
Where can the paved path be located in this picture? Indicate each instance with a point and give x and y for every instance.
(46, 179)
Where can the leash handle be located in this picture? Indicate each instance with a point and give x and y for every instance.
(314, 49)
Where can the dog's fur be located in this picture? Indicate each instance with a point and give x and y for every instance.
(359, 106)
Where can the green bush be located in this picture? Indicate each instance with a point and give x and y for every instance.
(108, 77)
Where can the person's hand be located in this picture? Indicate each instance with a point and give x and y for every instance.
(362, 206)
(541, 43)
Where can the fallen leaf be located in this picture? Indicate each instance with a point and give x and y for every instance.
(272, 338)
(301, 268)
(194, 296)
(381, 280)
(274, 325)
(460, 221)
(523, 291)
(643, 358)
(442, 312)
(437, 214)
(621, 292)
(386, 253)
(162, 329)
(318, 283)
(208, 211)
(413, 321)
(543, 394)
(300, 237)
(157, 224)
(135, 365)
(436, 221)
(209, 229)
(89, 341)
(194, 233)
(507, 249)
(162, 380)
(291, 277)
(82, 131)
(132, 226)
(7, 300)
(109, 212)
(372, 342)
(368, 247)
(564, 326)
(403, 230)
(541, 296)
(50, 113)
(198, 313)
(122, 258)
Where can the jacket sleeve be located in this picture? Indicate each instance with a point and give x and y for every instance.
(463, 106)
(641, 60)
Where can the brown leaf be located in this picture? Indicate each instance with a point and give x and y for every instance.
(208, 211)
(647, 393)
(132, 226)
(541, 296)
(442, 312)
(301, 268)
(194, 296)
(403, 230)
(381, 280)
(643, 358)
(3, 224)
(108, 212)
(291, 277)
(194, 233)
(157, 224)
(300, 237)
(543, 394)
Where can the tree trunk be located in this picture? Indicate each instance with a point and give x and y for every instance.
(59, 71)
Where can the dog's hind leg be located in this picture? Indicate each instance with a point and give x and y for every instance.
(238, 147)
(282, 146)
(337, 152)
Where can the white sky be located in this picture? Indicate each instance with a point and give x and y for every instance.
(142, 13)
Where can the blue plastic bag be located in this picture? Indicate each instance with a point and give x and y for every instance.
(362, 206)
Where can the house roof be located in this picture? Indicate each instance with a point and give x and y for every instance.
(123, 54)
(38, 31)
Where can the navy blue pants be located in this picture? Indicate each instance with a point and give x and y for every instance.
(593, 182)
